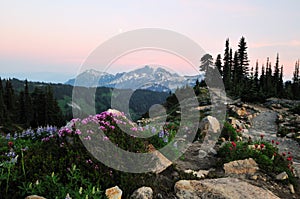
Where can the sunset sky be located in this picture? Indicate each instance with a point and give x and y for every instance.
(49, 40)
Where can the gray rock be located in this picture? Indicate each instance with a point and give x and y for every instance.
(210, 124)
(221, 188)
(290, 135)
(282, 176)
(142, 193)
(247, 166)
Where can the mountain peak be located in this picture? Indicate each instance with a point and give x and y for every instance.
(147, 77)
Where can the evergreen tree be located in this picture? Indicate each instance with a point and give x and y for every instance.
(237, 76)
(243, 58)
(276, 77)
(21, 110)
(280, 89)
(27, 104)
(3, 113)
(256, 80)
(218, 64)
(262, 80)
(296, 82)
(9, 99)
(227, 65)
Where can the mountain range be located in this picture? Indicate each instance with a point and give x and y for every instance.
(148, 78)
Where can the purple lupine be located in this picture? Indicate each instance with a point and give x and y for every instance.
(166, 139)
(153, 130)
(161, 134)
(7, 136)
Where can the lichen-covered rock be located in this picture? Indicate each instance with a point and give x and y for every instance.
(247, 166)
(142, 193)
(221, 188)
(113, 193)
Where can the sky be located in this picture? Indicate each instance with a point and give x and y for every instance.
(50, 40)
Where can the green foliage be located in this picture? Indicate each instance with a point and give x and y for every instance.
(264, 153)
(46, 161)
(229, 133)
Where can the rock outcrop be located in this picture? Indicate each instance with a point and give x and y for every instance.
(142, 193)
(247, 167)
(222, 188)
(113, 193)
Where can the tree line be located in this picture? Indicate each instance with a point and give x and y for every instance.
(38, 108)
(255, 83)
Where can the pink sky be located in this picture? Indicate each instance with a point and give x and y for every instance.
(52, 39)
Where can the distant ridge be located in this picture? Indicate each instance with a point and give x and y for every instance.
(148, 78)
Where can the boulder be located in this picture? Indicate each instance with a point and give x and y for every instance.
(142, 193)
(282, 176)
(113, 193)
(247, 166)
(221, 188)
(290, 135)
(162, 162)
(210, 124)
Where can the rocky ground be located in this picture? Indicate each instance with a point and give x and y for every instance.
(197, 173)
(238, 179)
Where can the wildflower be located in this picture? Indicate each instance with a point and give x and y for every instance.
(153, 130)
(102, 128)
(289, 158)
(80, 190)
(10, 144)
(7, 136)
(273, 141)
(277, 143)
(233, 144)
(161, 134)
(105, 138)
(68, 196)
(166, 139)
(230, 148)
(262, 136)
(134, 129)
(262, 146)
(37, 182)
(283, 154)
(78, 132)
(87, 137)
(11, 154)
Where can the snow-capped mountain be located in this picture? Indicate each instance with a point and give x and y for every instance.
(155, 79)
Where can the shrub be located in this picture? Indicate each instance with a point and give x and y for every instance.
(264, 153)
(229, 133)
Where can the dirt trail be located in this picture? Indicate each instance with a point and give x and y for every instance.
(265, 123)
